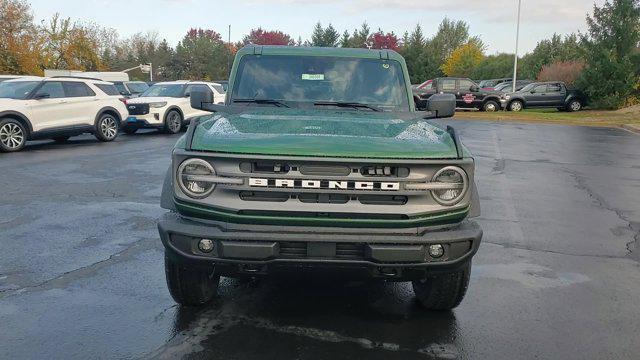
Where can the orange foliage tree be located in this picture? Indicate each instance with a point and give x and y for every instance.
(567, 71)
(19, 41)
(463, 60)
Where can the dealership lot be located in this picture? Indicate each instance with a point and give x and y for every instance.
(82, 275)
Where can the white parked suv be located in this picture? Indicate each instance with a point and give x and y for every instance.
(33, 108)
(166, 105)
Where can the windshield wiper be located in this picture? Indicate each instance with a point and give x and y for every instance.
(355, 105)
(261, 101)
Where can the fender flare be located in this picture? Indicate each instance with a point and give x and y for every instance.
(173, 107)
(20, 116)
(491, 97)
(166, 198)
(110, 109)
(573, 97)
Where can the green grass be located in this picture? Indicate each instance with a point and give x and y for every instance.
(552, 116)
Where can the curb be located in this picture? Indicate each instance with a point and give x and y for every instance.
(634, 128)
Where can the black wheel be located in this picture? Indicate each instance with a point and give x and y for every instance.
(516, 105)
(107, 128)
(173, 122)
(13, 135)
(574, 105)
(129, 130)
(491, 106)
(61, 139)
(190, 286)
(443, 291)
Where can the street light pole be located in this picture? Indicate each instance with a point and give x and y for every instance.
(515, 60)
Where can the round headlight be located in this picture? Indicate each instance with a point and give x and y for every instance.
(457, 178)
(188, 173)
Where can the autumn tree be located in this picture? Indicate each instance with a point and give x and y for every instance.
(566, 71)
(201, 55)
(463, 60)
(380, 40)
(19, 41)
(548, 51)
(263, 37)
(70, 46)
(452, 35)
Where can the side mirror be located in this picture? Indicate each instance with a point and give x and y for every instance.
(40, 96)
(442, 105)
(474, 88)
(201, 100)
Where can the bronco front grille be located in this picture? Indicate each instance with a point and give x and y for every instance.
(343, 251)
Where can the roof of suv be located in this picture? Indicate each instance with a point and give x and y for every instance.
(320, 51)
(183, 82)
(61, 78)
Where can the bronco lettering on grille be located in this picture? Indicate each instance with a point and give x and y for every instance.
(324, 184)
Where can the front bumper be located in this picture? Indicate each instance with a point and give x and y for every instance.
(261, 249)
(151, 120)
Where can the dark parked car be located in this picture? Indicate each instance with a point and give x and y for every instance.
(468, 94)
(545, 95)
(492, 83)
(507, 86)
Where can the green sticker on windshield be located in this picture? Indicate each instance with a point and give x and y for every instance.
(313, 77)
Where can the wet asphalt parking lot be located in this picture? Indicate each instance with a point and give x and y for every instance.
(557, 275)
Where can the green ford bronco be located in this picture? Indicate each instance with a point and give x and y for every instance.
(318, 160)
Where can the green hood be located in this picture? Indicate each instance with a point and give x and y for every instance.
(340, 133)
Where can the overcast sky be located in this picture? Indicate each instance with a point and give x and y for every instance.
(493, 20)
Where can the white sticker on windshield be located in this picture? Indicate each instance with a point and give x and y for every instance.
(313, 77)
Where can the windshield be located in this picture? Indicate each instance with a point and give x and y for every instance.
(164, 90)
(301, 80)
(529, 87)
(18, 90)
(137, 87)
(121, 88)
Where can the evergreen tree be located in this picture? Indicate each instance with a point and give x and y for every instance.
(610, 44)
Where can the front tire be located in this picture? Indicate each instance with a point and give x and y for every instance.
(13, 135)
(107, 128)
(190, 286)
(173, 122)
(516, 105)
(443, 291)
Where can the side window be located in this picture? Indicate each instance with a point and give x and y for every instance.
(218, 88)
(554, 88)
(448, 84)
(53, 88)
(77, 89)
(108, 89)
(540, 89)
(198, 87)
(465, 85)
(188, 89)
